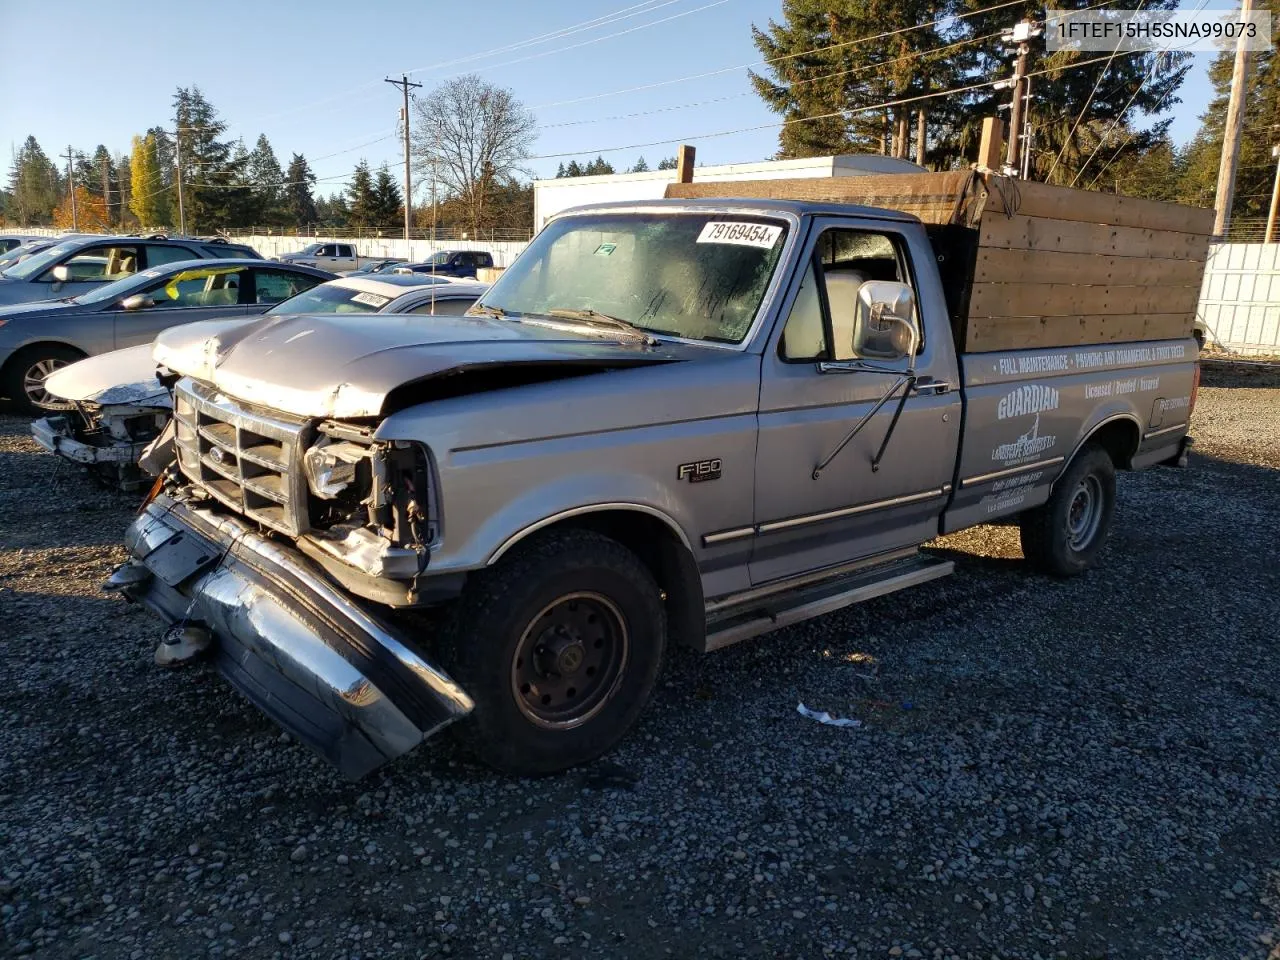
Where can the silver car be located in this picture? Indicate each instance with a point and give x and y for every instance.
(38, 338)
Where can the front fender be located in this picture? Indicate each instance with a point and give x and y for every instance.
(558, 499)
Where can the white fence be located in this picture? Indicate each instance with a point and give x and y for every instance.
(504, 251)
(1240, 298)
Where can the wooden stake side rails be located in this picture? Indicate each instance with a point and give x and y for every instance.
(1008, 265)
(1032, 199)
(1076, 299)
(1071, 236)
(986, 334)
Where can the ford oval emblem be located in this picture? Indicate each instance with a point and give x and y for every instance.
(217, 456)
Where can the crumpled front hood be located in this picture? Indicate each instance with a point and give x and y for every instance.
(125, 376)
(345, 365)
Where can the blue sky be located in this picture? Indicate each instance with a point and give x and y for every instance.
(310, 75)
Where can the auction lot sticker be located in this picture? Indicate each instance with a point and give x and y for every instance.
(761, 235)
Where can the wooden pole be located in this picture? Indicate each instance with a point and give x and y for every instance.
(992, 143)
(684, 163)
(921, 133)
(1231, 133)
(1275, 199)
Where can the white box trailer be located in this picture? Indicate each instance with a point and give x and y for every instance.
(552, 196)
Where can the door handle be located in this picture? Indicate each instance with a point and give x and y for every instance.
(930, 387)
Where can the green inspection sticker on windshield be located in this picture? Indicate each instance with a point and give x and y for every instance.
(605, 249)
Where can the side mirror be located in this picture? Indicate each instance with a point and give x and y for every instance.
(60, 273)
(884, 322)
(139, 301)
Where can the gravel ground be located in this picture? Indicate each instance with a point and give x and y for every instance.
(1085, 769)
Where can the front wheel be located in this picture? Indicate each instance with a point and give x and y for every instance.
(559, 646)
(1063, 537)
(27, 371)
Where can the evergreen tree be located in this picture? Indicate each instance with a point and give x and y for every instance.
(299, 205)
(361, 204)
(34, 185)
(242, 200)
(640, 167)
(265, 174)
(332, 211)
(388, 211)
(209, 169)
(668, 163)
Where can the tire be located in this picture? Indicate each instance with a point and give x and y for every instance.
(559, 645)
(1063, 537)
(27, 368)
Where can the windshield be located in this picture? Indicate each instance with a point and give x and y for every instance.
(439, 259)
(699, 276)
(330, 298)
(12, 256)
(35, 265)
(313, 248)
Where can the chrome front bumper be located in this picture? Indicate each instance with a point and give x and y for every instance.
(286, 638)
(55, 435)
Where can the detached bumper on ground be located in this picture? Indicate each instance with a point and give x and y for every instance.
(320, 666)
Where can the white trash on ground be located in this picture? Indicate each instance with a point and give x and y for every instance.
(828, 719)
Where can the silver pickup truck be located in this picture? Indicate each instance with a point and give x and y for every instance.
(684, 422)
(333, 256)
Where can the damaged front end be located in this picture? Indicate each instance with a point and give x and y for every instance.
(309, 657)
(268, 532)
(107, 439)
(117, 409)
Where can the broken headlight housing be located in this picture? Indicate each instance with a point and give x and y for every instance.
(332, 466)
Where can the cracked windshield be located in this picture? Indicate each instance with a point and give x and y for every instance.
(700, 276)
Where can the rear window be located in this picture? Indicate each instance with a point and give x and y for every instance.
(231, 250)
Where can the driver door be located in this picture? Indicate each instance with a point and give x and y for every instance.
(853, 509)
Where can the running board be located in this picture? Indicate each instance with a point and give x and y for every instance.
(804, 603)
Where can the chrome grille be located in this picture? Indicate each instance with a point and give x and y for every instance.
(248, 459)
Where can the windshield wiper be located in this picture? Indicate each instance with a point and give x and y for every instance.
(595, 318)
(487, 311)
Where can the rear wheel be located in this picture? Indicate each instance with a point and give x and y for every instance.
(559, 646)
(1063, 537)
(27, 371)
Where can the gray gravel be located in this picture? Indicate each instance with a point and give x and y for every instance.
(1085, 769)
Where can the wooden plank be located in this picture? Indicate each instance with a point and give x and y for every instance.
(987, 334)
(999, 265)
(1071, 299)
(1066, 236)
(933, 197)
(1031, 199)
(684, 163)
(992, 144)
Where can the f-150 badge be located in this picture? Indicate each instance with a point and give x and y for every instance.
(700, 471)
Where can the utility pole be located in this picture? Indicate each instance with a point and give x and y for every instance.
(1231, 133)
(404, 84)
(177, 153)
(71, 185)
(1275, 199)
(106, 189)
(1020, 33)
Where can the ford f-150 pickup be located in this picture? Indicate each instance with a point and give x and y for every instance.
(681, 421)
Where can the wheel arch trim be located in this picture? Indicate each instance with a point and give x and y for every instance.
(572, 512)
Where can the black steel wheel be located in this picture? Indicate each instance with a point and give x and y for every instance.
(1064, 536)
(559, 645)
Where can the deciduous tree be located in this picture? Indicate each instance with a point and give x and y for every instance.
(472, 136)
(88, 214)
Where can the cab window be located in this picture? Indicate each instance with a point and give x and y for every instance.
(273, 286)
(822, 321)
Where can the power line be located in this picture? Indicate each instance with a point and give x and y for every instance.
(601, 21)
(1083, 110)
(607, 36)
(789, 56)
(746, 93)
(824, 116)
